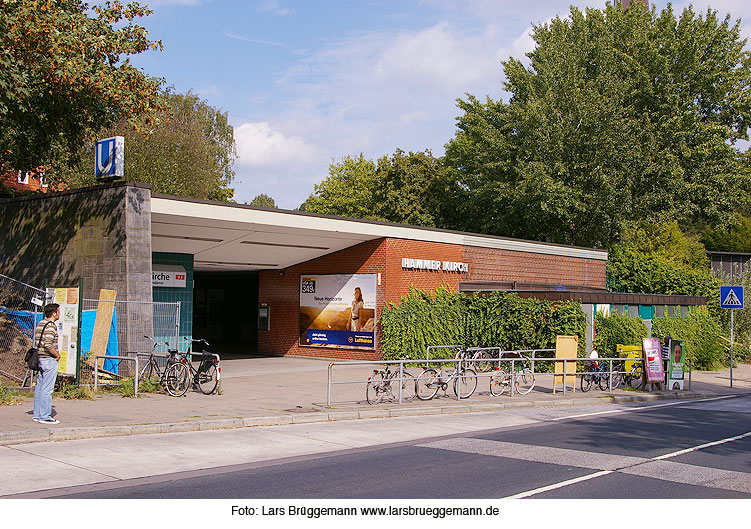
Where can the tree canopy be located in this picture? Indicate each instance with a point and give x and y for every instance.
(619, 116)
(190, 152)
(64, 74)
(407, 188)
(262, 201)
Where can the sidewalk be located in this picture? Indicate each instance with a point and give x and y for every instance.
(273, 391)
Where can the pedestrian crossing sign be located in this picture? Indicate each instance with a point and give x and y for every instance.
(731, 297)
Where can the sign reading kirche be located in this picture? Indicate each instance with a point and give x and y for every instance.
(430, 264)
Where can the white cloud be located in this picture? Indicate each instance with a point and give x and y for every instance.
(258, 145)
(275, 8)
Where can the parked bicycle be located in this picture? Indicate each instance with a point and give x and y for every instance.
(385, 383)
(595, 373)
(170, 376)
(205, 377)
(523, 377)
(430, 381)
(635, 376)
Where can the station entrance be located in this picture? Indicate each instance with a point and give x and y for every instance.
(225, 312)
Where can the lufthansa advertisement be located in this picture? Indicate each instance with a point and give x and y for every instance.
(338, 310)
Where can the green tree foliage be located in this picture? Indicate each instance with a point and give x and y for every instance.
(64, 74)
(616, 329)
(404, 188)
(262, 201)
(619, 116)
(190, 152)
(702, 336)
(660, 259)
(422, 319)
(736, 238)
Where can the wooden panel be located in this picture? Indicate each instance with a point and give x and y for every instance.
(565, 347)
(104, 310)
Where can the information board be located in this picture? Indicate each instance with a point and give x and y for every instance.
(67, 326)
(653, 360)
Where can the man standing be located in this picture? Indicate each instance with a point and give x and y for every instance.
(45, 338)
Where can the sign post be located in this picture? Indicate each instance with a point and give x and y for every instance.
(731, 297)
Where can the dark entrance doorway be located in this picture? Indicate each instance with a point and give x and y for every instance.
(225, 306)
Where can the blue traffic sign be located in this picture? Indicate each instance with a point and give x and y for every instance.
(731, 297)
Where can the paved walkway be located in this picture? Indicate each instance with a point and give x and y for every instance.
(273, 391)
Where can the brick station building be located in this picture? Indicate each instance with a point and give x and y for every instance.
(243, 274)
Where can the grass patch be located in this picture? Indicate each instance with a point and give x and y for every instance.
(10, 397)
(73, 392)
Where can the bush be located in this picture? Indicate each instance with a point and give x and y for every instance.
(498, 319)
(69, 391)
(10, 396)
(701, 335)
(616, 329)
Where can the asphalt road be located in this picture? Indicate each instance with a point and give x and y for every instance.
(690, 450)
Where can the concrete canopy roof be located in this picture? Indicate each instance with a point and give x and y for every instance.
(231, 237)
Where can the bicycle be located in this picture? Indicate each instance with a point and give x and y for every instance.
(523, 377)
(385, 382)
(430, 381)
(206, 377)
(595, 373)
(634, 378)
(170, 379)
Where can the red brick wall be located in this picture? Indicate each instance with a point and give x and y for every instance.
(11, 180)
(384, 256)
(489, 264)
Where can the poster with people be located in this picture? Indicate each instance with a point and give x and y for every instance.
(338, 310)
(676, 362)
(653, 360)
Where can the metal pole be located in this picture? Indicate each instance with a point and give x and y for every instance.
(565, 372)
(731, 346)
(401, 379)
(328, 389)
(610, 376)
(135, 380)
(513, 376)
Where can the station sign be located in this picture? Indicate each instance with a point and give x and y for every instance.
(168, 276)
(432, 264)
(109, 159)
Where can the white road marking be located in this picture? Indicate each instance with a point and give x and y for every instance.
(637, 409)
(559, 485)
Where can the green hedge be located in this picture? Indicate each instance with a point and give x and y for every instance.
(701, 335)
(501, 319)
(616, 329)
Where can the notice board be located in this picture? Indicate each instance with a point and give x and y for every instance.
(566, 347)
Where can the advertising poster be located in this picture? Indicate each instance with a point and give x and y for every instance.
(676, 362)
(338, 310)
(653, 360)
(67, 327)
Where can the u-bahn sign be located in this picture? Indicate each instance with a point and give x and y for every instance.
(110, 158)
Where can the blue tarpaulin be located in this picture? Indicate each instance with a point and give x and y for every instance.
(88, 317)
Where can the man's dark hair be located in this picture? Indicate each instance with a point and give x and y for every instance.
(50, 309)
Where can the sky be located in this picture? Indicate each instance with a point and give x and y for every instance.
(306, 83)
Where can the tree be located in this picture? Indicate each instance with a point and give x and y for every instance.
(190, 152)
(736, 238)
(263, 201)
(406, 188)
(64, 74)
(620, 116)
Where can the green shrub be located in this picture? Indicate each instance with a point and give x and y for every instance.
(500, 319)
(701, 334)
(9, 397)
(616, 329)
(73, 392)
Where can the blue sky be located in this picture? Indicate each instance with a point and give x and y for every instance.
(306, 83)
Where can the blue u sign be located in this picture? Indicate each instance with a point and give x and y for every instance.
(109, 158)
(731, 297)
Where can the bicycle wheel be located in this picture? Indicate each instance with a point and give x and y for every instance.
(465, 383)
(207, 380)
(483, 361)
(147, 372)
(586, 382)
(408, 386)
(602, 380)
(427, 384)
(525, 381)
(636, 380)
(376, 388)
(500, 381)
(177, 379)
(617, 376)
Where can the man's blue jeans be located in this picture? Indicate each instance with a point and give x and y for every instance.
(48, 367)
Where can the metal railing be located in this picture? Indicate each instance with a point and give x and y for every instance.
(118, 378)
(512, 372)
(20, 310)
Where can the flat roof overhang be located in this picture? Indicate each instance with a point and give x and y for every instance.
(232, 237)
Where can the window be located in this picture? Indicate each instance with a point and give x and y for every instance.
(42, 182)
(23, 177)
